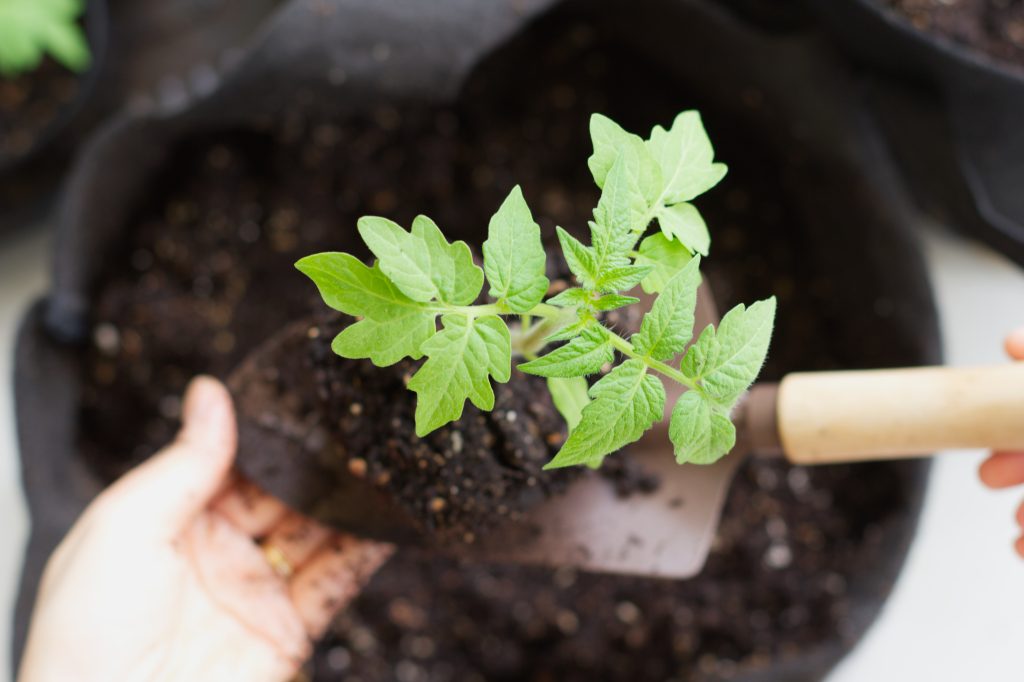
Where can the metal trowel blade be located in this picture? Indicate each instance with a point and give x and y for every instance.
(664, 534)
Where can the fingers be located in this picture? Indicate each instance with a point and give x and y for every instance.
(264, 517)
(235, 576)
(333, 577)
(249, 509)
(1003, 469)
(171, 488)
(297, 538)
(1015, 344)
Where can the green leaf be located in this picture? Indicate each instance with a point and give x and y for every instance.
(385, 343)
(30, 28)
(570, 397)
(626, 403)
(571, 331)
(460, 358)
(727, 360)
(668, 327)
(579, 258)
(622, 278)
(700, 355)
(608, 139)
(700, 432)
(457, 279)
(613, 302)
(614, 229)
(685, 156)
(612, 143)
(665, 257)
(743, 338)
(585, 354)
(620, 211)
(684, 223)
(403, 257)
(514, 257)
(349, 286)
(570, 298)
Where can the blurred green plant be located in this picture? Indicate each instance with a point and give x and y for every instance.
(30, 29)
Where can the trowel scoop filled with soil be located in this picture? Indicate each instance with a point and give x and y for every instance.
(335, 439)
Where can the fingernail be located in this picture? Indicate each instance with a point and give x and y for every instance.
(197, 399)
(202, 406)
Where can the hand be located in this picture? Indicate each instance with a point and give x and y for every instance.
(160, 578)
(1004, 469)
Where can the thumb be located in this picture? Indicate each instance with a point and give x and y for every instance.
(171, 488)
(1015, 344)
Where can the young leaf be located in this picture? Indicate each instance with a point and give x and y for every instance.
(571, 331)
(608, 139)
(584, 355)
(700, 355)
(626, 403)
(685, 156)
(665, 257)
(403, 257)
(570, 397)
(700, 432)
(619, 213)
(514, 256)
(349, 286)
(570, 298)
(612, 145)
(580, 258)
(387, 342)
(622, 278)
(613, 302)
(460, 358)
(668, 327)
(684, 223)
(458, 280)
(727, 360)
(743, 338)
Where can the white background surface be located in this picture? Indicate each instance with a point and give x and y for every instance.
(958, 610)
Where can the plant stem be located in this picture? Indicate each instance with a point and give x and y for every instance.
(626, 348)
(530, 340)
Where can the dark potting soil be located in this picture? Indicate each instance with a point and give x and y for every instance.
(449, 487)
(30, 103)
(994, 27)
(206, 274)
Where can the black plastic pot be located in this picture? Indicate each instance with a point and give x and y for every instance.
(332, 59)
(962, 153)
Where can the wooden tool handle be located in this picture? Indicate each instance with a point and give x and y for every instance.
(834, 417)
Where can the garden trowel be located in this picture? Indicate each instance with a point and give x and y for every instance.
(808, 418)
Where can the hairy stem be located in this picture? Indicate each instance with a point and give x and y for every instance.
(530, 340)
(626, 348)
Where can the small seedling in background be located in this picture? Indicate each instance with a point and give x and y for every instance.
(419, 276)
(31, 28)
